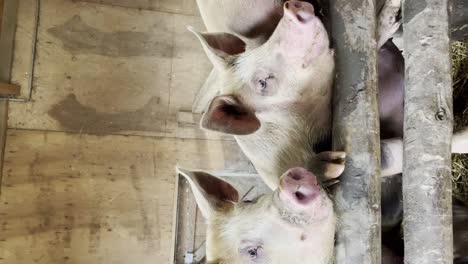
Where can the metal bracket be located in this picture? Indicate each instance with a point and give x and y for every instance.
(188, 258)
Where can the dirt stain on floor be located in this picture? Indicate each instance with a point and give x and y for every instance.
(78, 37)
(73, 116)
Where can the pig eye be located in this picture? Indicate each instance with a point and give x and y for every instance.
(252, 253)
(263, 86)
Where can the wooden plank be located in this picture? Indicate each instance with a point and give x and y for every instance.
(7, 89)
(1, 13)
(356, 131)
(3, 136)
(3, 121)
(95, 199)
(144, 59)
(7, 36)
(82, 59)
(25, 46)
(184, 7)
(4, 118)
(428, 123)
(190, 66)
(206, 93)
(7, 28)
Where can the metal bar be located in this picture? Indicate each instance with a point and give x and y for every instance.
(428, 123)
(356, 130)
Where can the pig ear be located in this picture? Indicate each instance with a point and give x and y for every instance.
(226, 114)
(219, 46)
(211, 193)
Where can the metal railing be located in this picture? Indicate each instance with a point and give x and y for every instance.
(428, 122)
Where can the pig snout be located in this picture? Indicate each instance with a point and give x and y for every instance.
(300, 12)
(299, 186)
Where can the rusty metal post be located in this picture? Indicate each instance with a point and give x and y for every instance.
(428, 123)
(356, 130)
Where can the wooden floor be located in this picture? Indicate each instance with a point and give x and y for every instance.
(115, 70)
(89, 170)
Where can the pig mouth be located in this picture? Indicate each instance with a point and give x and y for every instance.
(288, 216)
(293, 215)
(301, 218)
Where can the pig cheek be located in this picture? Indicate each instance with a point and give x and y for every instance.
(318, 47)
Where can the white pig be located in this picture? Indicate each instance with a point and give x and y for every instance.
(294, 224)
(277, 97)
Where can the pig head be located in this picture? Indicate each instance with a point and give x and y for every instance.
(293, 224)
(276, 98)
(259, 19)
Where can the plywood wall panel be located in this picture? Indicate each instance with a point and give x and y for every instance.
(70, 198)
(103, 69)
(187, 7)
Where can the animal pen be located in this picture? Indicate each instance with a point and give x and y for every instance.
(427, 193)
(428, 109)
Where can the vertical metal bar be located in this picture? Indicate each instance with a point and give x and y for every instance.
(356, 130)
(428, 123)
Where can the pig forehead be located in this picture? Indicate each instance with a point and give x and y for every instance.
(259, 226)
(264, 58)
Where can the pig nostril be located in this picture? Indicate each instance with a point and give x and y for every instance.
(295, 176)
(300, 196)
(300, 19)
(286, 5)
(297, 4)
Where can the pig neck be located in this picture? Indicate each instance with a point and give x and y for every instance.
(287, 136)
(275, 148)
